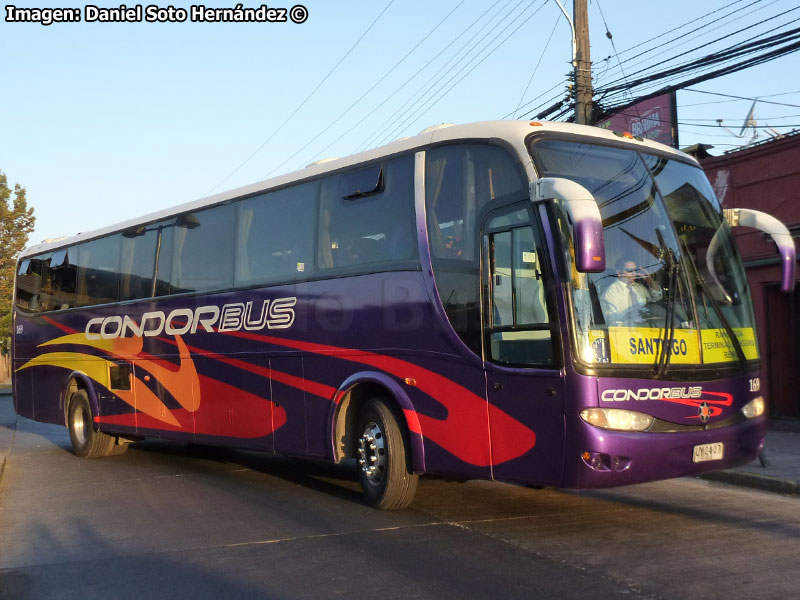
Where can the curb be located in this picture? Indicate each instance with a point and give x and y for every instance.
(765, 483)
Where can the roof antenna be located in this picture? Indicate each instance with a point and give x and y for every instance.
(749, 121)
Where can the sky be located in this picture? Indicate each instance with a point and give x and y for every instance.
(103, 122)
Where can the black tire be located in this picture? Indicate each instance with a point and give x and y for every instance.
(86, 442)
(384, 457)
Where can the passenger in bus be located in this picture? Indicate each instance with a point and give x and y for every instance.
(633, 289)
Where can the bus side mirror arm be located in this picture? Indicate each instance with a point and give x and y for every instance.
(746, 217)
(584, 216)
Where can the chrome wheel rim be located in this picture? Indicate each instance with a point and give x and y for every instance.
(372, 454)
(79, 426)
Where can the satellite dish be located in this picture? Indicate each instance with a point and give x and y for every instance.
(749, 121)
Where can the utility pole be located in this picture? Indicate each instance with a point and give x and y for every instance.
(583, 64)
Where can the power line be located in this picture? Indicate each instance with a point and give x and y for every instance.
(760, 118)
(613, 45)
(554, 99)
(716, 125)
(679, 72)
(428, 91)
(685, 41)
(536, 68)
(726, 55)
(392, 95)
(303, 103)
(560, 83)
(651, 61)
(760, 99)
(734, 49)
(749, 126)
(364, 95)
(414, 110)
(733, 68)
(681, 27)
(492, 51)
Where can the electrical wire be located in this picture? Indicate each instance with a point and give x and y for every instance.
(613, 45)
(729, 54)
(364, 95)
(536, 68)
(651, 61)
(760, 98)
(679, 27)
(429, 89)
(741, 46)
(420, 91)
(683, 36)
(413, 113)
(559, 84)
(303, 103)
(767, 56)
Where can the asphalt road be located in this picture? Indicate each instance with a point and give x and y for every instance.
(175, 521)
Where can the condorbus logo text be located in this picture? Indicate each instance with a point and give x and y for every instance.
(273, 314)
(665, 393)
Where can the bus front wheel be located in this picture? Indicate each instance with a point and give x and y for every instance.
(86, 442)
(384, 457)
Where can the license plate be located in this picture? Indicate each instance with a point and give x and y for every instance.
(706, 452)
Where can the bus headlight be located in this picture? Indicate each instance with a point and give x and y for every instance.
(754, 408)
(617, 418)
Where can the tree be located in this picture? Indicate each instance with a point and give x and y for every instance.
(16, 224)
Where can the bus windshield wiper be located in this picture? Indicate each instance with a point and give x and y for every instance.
(665, 349)
(723, 320)
(737, 346)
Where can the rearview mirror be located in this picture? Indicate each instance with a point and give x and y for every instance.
(746, 217)
(584, 216)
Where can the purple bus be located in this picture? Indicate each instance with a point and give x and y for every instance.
(546, 304)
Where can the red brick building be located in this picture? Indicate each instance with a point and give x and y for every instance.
(766, 177)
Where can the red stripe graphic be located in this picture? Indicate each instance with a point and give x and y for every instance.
(463, 432)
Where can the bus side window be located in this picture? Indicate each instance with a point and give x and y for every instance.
(137, 261)
(59, 282)
(96, 264)
(29, 283)
(275, 236)
(520, 325)
(370, 227)
(460, 181)
(203, 250)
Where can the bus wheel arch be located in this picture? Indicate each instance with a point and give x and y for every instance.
(80, 408)
(75, 382)
(352, 396)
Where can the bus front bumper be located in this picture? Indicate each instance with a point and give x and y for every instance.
(599, 458)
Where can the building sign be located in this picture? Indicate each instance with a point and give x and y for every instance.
(654, 119)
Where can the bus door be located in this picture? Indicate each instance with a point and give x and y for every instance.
(524, 385)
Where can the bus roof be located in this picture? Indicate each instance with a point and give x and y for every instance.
(513, 132)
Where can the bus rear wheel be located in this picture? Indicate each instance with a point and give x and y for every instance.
(384, 457)
(86, 442)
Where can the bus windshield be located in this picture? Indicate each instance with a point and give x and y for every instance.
(674, 291)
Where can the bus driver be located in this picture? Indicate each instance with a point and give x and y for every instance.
(632, 288)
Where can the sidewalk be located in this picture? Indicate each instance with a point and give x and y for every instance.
(8, 424)
(779, 473)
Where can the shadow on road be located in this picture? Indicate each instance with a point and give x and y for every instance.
(340, 480)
